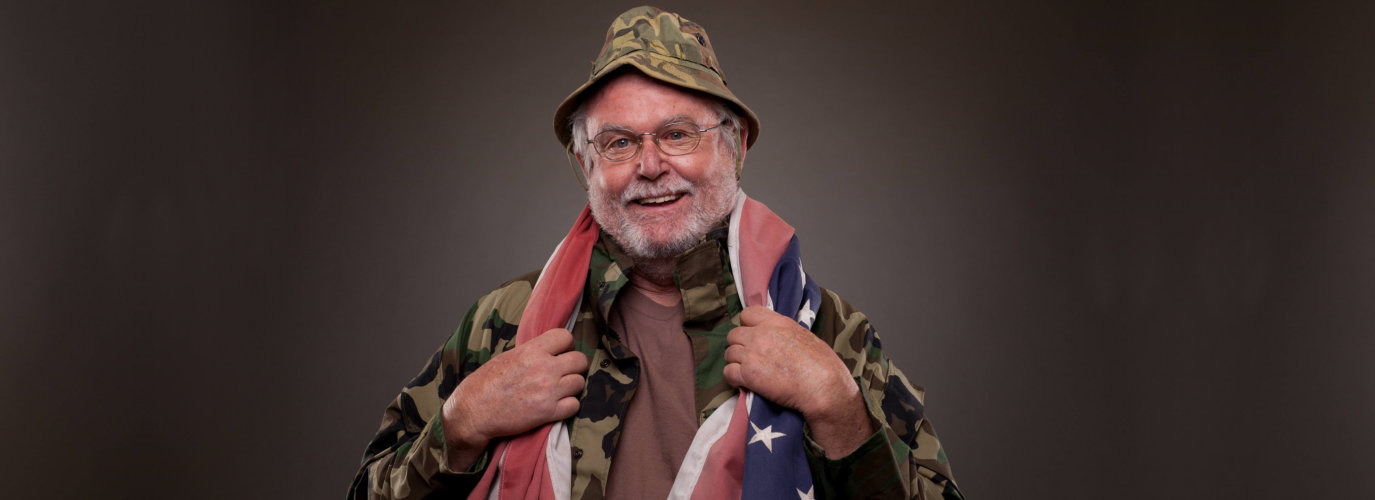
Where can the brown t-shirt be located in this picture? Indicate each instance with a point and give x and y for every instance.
(662, 417)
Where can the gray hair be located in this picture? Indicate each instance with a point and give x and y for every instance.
(577, 125)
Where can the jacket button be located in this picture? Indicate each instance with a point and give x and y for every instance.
(605, 363)
(577, 453)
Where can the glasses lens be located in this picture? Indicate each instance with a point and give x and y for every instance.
(678, 138)
(616, 145)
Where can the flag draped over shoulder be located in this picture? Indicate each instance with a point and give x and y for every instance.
(749, 446)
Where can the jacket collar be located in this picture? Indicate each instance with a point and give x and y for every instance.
(702, 274)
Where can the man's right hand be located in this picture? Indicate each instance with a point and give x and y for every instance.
(532, 384)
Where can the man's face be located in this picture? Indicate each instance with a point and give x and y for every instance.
(656, 205)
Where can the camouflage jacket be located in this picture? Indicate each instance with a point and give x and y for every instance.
(407, 459)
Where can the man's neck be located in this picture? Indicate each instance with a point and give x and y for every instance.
(654, 278)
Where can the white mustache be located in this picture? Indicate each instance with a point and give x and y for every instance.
(642, 190)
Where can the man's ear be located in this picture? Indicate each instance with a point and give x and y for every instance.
(582, 165)
(740, 141)
(580, 169)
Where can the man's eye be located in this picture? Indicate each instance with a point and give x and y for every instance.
(675, 135)
(620, 143)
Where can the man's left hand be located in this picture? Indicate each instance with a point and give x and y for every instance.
(780, 360)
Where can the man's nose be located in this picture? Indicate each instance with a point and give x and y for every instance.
(651, 159)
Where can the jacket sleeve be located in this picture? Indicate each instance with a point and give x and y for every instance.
(903, 458)
(407, 456)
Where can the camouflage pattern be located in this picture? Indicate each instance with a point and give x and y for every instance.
(664, 46)
(406, 458)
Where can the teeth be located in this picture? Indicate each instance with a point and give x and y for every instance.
(660, 199)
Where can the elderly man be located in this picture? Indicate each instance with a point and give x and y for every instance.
(672, 347)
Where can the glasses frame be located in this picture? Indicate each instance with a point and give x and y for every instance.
(640, 144)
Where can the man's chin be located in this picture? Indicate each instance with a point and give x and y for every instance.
(658, 246)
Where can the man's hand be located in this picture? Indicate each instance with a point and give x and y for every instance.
(780, 360)
(528, 386)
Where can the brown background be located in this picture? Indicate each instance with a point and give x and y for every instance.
(1127, 249)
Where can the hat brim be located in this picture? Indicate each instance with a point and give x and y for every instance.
(670, 70)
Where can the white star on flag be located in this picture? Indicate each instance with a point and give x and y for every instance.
(806, 495)
(805, 315)
(766, 435)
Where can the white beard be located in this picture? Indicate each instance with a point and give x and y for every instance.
(711, 201)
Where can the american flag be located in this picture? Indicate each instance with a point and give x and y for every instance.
(749, 447)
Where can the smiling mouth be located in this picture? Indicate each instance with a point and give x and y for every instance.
(659, 200)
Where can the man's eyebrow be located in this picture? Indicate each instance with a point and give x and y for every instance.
(608, 127)
(683, 118)
(676, 119)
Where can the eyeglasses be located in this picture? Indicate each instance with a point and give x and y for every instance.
(674, 139)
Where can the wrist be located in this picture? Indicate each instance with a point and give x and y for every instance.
(463, 446)
(459, 431)
(842, 424)
(846, 410)
(835, 403)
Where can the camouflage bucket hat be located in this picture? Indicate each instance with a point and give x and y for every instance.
(664, 46)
